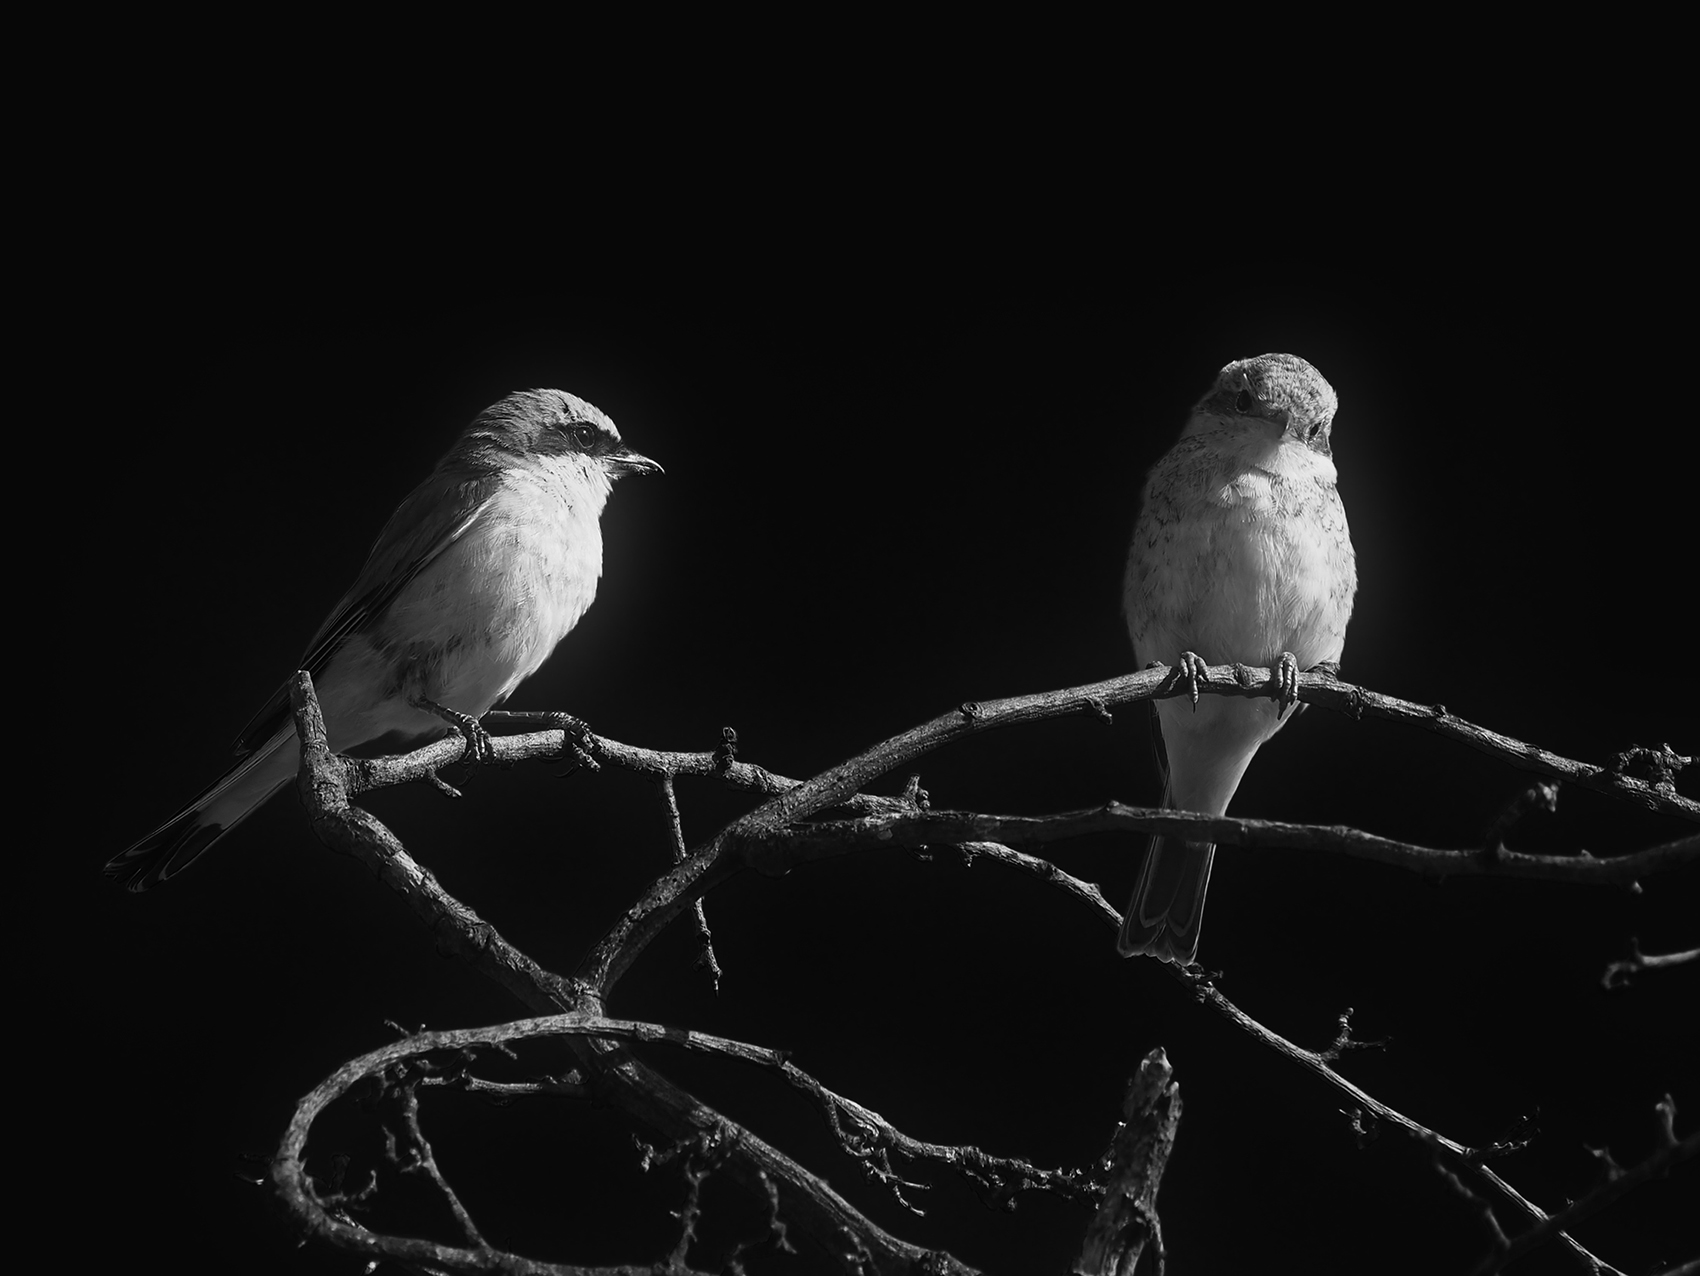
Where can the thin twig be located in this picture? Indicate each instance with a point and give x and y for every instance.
(1311, 1060)
(1621, 972)
(676, 839)
(863, 1133)
(424, 1159)
(1672, 1152)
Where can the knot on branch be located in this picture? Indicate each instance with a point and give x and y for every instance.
(1522, 1132)
(726, 752)
(1659, 767)
(1344, 1041)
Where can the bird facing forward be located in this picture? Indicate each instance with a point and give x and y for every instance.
(480, 572)
(1240, 554)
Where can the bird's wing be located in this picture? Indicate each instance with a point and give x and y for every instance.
(426, 523)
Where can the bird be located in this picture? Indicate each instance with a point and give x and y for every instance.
(1240, 553)
(478, 574)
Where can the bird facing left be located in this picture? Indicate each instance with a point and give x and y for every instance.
(479, 573)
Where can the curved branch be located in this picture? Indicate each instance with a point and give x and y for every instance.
(996, 1178)
(809, 1203)
(1655, 1166)
(1315, 1062)
(834, 786)
(301, 1198)
(841, 785)
(784, 848)
(652, 1099)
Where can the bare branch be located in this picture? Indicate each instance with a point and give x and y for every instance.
(790, 802)
(1093, 699)
(324, 785)
(676, 838)
(865, 1134)
(1127, 1219)
(834, 786)
(1655, 1166)
(1619, 973)
(425, 1161)
(775, 851)
(367, 774)
(883, 821)
(807, 1202)
(1312, 1061)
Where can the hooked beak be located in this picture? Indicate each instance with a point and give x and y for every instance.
(625, 461)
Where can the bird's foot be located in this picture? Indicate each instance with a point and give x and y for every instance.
(479, 750)
(1192, 668)
(577, 742)
(1287, 678)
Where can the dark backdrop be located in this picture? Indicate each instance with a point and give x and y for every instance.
(905, 413)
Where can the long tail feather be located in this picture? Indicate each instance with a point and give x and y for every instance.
(186, 836)
(1166, 913)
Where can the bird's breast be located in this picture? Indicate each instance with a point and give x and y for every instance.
(489, 610)
(1240, 557)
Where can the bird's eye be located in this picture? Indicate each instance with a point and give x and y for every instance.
(583, 436)
(1243, 401)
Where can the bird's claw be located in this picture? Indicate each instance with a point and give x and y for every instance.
(1287, 679)
(1195, 671)
(578, 742)
(479, 749)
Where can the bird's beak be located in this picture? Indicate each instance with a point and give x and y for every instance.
(625, 461)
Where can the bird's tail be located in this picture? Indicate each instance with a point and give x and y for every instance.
(1205, 752)
(1166, 913)
(232, 798)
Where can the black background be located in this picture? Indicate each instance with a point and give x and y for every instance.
(905, 398)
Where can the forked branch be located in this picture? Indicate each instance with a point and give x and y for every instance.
(788, 828)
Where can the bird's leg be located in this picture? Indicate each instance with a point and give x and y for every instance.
(1287, 676)
(478, 747)
(578, 742)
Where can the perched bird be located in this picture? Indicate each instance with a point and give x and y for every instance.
(1240, 554)
(481, 571)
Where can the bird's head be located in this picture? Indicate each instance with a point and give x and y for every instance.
(1281, 390)
(553, 423)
